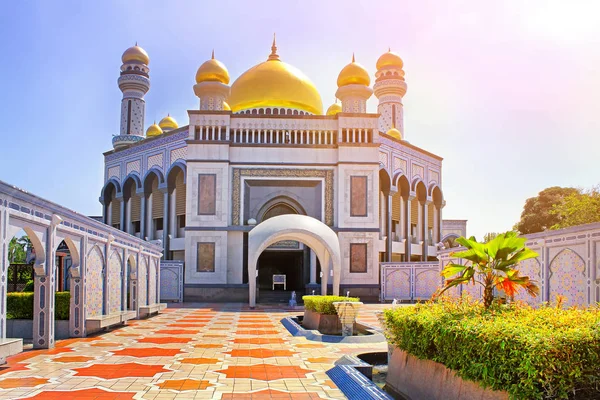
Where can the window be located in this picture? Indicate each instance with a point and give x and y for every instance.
(181, 221)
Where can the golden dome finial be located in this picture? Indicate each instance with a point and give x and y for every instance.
(274, 55)
(353, 73)
(212, 56)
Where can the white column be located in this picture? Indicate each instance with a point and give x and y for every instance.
(419, 221)
(313, 267)
(172, 219)
(149, 224)
(436, 224)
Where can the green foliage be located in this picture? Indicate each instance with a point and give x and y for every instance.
(491, 265)
(17, 250)
(62, 305)
(545, 353)
(19, 305)
(536, 215)
(324, 304)
(578, 209)
(29, 286)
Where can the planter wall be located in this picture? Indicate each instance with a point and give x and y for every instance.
(417, 379)
(325, 324)
(23, 328)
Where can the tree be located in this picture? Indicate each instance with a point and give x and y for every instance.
(17, 250)
(492, 266)
(578, 208)
(536, 215)
(489, 236)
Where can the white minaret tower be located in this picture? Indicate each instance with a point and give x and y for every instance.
(353, 88)
(211, 87)
(134, 82)
(390, 88)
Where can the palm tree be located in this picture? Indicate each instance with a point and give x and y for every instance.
(491, 265)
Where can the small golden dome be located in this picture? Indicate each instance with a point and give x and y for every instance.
(135, 54)
(212, 70)
(154, 130)
(168, 123)
(226, 106)
(390, 59)
(274, 83)
(395, 133)
(353, 73)
(334, 109)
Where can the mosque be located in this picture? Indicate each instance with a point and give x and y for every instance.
(264, 146)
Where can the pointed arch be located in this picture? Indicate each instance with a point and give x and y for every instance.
(94, 267)
(156, 172)
(567, 277)
(179, 164)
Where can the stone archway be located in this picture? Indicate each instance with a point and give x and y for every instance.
(308, 230)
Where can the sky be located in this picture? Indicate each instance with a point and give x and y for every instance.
(506, 92)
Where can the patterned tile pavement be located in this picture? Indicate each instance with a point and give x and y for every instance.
(192, 351)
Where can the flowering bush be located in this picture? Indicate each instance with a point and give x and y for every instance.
(544, 353)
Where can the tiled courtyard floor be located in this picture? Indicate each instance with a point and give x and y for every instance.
(200, 351)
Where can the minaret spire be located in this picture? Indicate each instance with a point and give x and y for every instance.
(274, 55)
(353, 60)
(213, 54)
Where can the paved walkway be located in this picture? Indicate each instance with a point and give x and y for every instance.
(200, 351)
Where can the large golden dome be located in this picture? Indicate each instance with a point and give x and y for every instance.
(135, 54)
(353, 73)
(212, 70)
(390, 59)
(274, 83)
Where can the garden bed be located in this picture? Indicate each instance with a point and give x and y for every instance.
(545, 353)
(320, 314)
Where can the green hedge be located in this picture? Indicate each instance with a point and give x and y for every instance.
(324, 304)
(545, 353)
(19, 305)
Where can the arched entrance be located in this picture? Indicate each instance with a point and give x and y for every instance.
(307, 230)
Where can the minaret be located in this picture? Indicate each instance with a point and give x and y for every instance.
(134, 82)
(211, 87)
(353, 88)
(390, 88)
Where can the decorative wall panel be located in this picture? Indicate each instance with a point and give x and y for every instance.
(94, 282)
(358, 257)
(567, 278)
(207, 195)
(114, 285)
(142, 282)
(358, 196)
(206, 257)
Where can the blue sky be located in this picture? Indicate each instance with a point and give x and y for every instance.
(507, 93)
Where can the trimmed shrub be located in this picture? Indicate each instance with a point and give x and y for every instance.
(324, 304)
(29, 286)
(545, 353)
(19, 305)
(62, 305)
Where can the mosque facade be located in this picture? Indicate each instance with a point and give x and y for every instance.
(264, 146)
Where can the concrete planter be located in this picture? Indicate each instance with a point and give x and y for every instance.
(23, 328)
(324, 323)
(417, 379)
